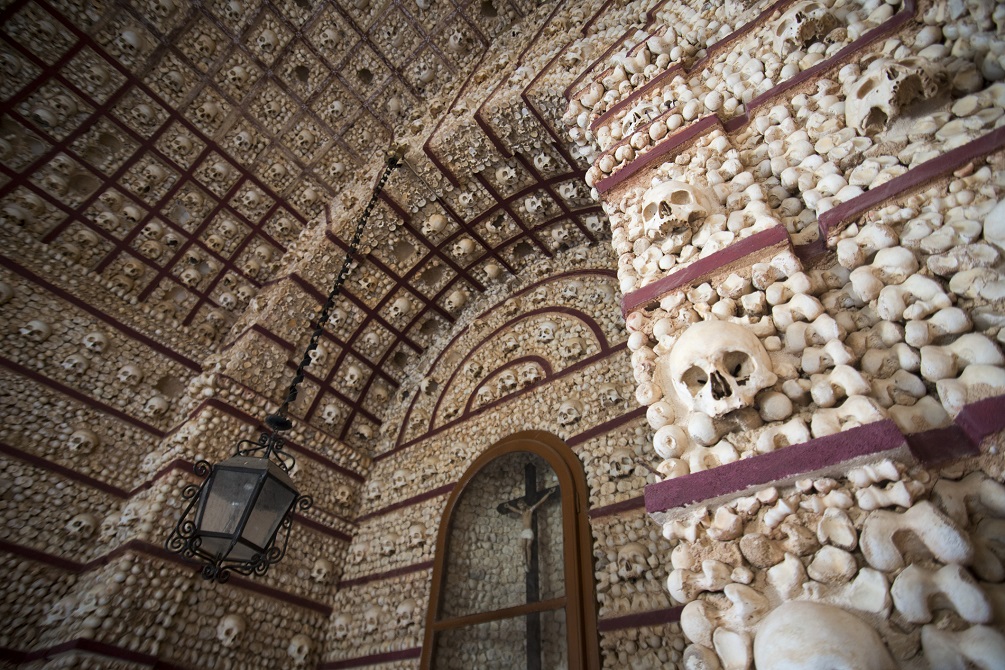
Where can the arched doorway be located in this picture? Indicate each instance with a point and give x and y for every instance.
(513, 576)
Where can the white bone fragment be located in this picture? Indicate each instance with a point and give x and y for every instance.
(778, 436)
(918, 297)
(899, 494)
(981, 647)
(831, 565)
(869, 592)
(733, 649)
(685, 585)
(855, 411)
(836, 529)
(926, 414)
(914, 588)
(934, 529)
(787, 577)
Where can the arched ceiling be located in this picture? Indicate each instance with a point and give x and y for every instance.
(176, 152)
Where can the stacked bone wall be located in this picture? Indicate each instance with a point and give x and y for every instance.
(806, 219)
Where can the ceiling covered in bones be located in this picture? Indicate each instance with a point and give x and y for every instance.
(203, 161)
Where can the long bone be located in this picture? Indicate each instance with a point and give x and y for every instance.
(982, 646)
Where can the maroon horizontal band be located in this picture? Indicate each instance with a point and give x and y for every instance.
(86, 645)
(982, 418)
(414, 500)
(379, 576)
(641, 619)
(638, 502)
(373, 659)
(832, 220)
(942, 444)
(866, 442)
(774, 236)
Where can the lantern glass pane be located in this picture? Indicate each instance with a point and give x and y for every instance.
(230, 493)
(270, 508)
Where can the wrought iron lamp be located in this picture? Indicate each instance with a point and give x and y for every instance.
(239, 518)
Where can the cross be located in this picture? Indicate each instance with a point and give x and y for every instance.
(526, 507)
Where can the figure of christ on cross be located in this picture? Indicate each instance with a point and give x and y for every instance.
(526, 513)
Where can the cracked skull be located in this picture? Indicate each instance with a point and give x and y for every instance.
(230, 628)
(717, 367)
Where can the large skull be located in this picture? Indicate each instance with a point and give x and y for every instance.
(82, 441)
(401, 307)
(506, 381)
(571, 348)
(399, 478)
(530, 374)
(876, 98)
(82, 525)
(230, 628)
(299, 649)
(417, 535)
(37, 331)
(405, 613)
(717, 367)
(456, 300)
(546, 331)
(673, 207)
(803, 23)
(343, 624)
(330, 414)
(75, 364)
(631, 561)
(622, 463)
(372, 617)
(353, 376)
(321, 571)
(130, 374)
(570, 412)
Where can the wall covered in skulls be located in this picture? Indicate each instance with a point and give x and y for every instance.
(806, 221)
(743, 260)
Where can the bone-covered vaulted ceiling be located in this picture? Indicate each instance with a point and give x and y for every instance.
(204, 164)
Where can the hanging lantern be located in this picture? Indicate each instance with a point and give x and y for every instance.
(239, 518)
(236, 515)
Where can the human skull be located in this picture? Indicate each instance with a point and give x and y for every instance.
(405, 613)
(507, 382)
(299, 649)
(372, 617)
(276, 172)
(208, 112)
(321, 571)
(268, 40)
(506, 175)
(463, 247)
(417, 535)
(353, 376)
(85, 238)
(637, 116)
(546, 331)
(129, 42)
(318, 355)
(133, 215)
(887, 86)
(82, 441)
(96, 342)
(543, 162)
(570, 412)
(401, 307)
(399, 478)
(631, 561)
(230, 628)
(571, 348)
(82, 526)
(190, 277)
(76, 364)
(533, 204)
(364, 431)
(343, 625)
(37, 331)
(245, 292)
(389, 544)
(716, 367)
(337, 316)
(61, 610)
(609, 395)
(456, 300)
(227, 300)
(803, 23)
(130, 374)
(508, 343)
(215, 243)
(530, 374)
(151, 249)
(622, 463)
(330, 414)
(483, 396)
(373, 490)
(155, 406)
(433, 225)
(673, 207)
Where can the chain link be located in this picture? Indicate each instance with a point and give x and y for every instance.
(392, 162)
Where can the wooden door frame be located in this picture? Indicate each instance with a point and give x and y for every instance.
(580, 597)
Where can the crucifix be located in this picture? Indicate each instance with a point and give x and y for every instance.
(525, 507)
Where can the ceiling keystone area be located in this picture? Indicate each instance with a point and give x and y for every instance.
(176, 152)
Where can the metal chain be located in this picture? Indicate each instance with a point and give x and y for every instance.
(392, 162)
